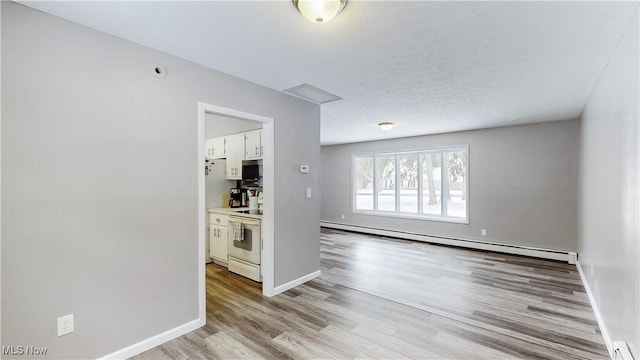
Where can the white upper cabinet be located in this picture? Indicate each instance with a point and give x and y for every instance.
(208, 145)
(234, 155)
(218, 147)
(235, 148)
(215, 148)
(253, 144)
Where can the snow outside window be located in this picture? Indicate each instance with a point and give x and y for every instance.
(430, 184)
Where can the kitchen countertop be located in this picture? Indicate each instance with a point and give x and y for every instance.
(237, 212)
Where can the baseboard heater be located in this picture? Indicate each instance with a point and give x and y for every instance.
(567, 256)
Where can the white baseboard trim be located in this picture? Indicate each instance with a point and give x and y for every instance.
(156, 340)
(293, 283)
(603, 328)
(567, 256)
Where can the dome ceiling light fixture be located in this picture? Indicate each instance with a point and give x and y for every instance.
(319, 11)
(386, 126)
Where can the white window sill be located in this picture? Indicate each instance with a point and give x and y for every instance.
(409, 216)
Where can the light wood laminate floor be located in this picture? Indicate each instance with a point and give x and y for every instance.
(389, 299)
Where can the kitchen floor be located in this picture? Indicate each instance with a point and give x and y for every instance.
(387, 298)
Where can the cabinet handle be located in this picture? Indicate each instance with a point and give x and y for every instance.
(261, 150)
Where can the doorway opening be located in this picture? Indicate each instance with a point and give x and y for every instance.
(213, 121)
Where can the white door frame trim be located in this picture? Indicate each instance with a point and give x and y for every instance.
(268, 190)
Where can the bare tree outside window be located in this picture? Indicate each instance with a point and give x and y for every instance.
(408, 183)
(427, 184)
(432, 187)
(386, 180)
(456, 197)
(364, 183)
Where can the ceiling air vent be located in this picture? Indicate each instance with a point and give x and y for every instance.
(312, 93)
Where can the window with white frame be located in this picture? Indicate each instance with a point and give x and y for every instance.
(428, 184)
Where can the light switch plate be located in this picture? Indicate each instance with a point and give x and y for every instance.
(308, 193)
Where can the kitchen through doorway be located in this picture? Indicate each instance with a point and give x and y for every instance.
(214, 183)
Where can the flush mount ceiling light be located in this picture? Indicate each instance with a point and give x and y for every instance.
(319, 11)
(386, 126)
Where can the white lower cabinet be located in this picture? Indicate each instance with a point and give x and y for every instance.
(218, 246)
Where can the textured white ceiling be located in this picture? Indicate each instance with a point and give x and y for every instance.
(430, 67)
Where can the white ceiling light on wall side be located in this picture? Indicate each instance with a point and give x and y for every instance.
(319, 11)
(385, 126)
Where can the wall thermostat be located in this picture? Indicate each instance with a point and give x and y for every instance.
(304, 169)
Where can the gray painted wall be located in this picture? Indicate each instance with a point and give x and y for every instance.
(99, 184)
(522, 185)
(608, 245)
(217, 125)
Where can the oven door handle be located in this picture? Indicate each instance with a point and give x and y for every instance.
(245, 221)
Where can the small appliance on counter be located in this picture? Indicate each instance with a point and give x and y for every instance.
(237, 198)
(254, 198)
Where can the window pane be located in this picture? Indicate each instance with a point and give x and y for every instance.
(386, 182)
(364, 183)
(431, 184)
(457, 174)
(408, 183)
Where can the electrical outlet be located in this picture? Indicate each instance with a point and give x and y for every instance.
(483, 232)
(342, 216)
(65, 325)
